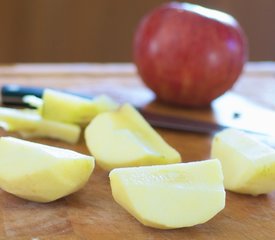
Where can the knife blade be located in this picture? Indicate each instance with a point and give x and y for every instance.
(12, 95)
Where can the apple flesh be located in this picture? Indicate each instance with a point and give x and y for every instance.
(248, 164)
(187, 54)
(29, 124)
(170, 196)
(69, 108)
(39, 172)
(123, 138)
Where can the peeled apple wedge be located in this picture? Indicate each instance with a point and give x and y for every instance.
(123, 138)
(170, 196)
(28, 123)
(69, 108)
(248, 164)
(39, 172)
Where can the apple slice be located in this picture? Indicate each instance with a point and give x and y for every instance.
(39, 172)
(123, 138)
(170, 196)
(28, 123)
(248, 164)
(65, 107)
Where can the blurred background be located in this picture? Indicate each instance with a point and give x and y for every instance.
(102, 31)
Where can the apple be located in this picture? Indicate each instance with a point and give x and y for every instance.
(187, 54)
(29, 123)
(248, 164)
(123, 138)
(69, 108)
(170, 196)
(41, 173)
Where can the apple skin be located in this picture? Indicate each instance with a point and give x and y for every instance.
(187, 54)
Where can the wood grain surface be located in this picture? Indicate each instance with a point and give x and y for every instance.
(92, 213)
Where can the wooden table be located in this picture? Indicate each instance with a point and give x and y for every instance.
(92, 213)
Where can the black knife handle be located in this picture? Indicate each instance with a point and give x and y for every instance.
(13, 94)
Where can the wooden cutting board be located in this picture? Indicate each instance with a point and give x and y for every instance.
(92, 213)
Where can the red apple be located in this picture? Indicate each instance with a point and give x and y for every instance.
(187, 54)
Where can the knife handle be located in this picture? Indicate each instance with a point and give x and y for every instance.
(13, 94)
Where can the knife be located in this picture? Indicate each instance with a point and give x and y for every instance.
(12, 95)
